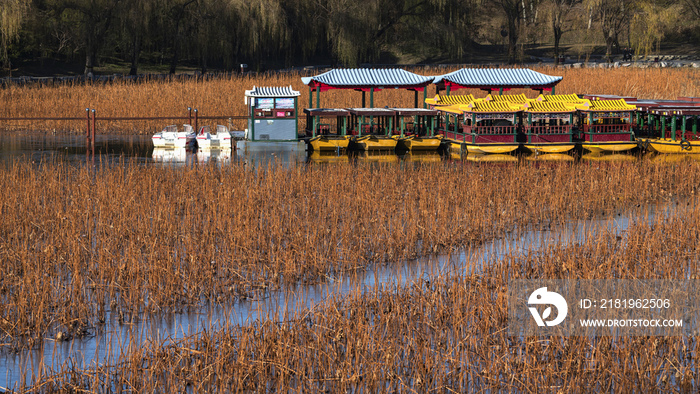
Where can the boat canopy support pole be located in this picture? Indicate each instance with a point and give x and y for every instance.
(663, 127)
(673, 127)
(683, 127)
(318, 97)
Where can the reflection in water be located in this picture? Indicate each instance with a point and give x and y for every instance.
(375, 156)
(328, 157)
(113, 338)
(42, 147)
(611, 157)
(176, 155)
(549, 157)
(495, 158)
(675, 157)
(422, 157)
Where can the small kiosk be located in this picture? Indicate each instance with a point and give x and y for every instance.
(272, 113)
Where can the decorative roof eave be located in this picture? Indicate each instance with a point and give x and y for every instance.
(498, 78)
(362, 88)
(454, 85)
(687, 111)
(272, 91)
(365, 79)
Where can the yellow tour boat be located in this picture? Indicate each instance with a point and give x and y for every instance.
(602, 147)
(419, 143)
(668, 145)
(375, 142)
(329, 142)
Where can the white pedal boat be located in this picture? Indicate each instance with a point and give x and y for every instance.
(207, 140)
(170, 137)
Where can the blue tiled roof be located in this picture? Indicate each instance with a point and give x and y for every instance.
(369, 77)
(479, 77)
(284, 91)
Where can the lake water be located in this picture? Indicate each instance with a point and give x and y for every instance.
(113, 149)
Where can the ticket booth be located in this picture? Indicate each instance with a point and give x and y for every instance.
(272, 113)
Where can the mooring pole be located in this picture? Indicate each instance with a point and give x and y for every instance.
(189, 110)
(92, 133)
(196, 129)
(87, 130)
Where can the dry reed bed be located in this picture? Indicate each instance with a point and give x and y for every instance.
(225, 97)
(446, 334)
(77, 243)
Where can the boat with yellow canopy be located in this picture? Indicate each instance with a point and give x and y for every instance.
(675, 128)
(548, 126)
(481, 126)
(606, 126)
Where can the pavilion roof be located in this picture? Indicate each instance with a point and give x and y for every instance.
(367, 78)
(495, 78)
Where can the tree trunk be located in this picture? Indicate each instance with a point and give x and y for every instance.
(89, 62)
(135, 54)
(557, 38)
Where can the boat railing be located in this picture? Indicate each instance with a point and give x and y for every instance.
(564, 129)
(491, 130)
(607, 128)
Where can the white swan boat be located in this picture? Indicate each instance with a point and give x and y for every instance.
(207, 140)
(170, 137)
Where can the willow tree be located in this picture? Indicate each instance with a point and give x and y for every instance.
(12, 14)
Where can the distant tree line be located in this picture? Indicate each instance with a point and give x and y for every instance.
(224, 33)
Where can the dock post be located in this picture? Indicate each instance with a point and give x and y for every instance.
(196, 129)
(92, 133)
(87, 130)
(189, 122)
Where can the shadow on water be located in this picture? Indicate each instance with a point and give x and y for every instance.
(114, 338)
